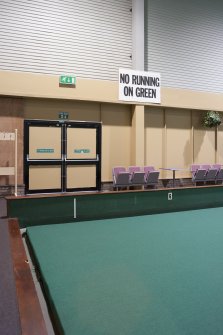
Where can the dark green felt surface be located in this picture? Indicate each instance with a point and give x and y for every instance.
(148, 275)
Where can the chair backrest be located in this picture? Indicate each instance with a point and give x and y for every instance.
(120, 176)
(117, 169)
(137, 178)
(211, 175)
(199, 175)
(219, 176)
(216, 166)
(132, 169)
(152, 178)
(122, 179)
(148, 169)
(205, 166)
(194, 167)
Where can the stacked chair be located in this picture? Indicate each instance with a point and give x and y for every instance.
(151, 176)
(206, 173)
(135, 176)
(121, 178)
(198, 174)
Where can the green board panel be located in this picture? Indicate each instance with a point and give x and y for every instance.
(43, 210)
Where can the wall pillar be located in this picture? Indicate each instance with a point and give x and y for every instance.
(138, 135)
(138, 34)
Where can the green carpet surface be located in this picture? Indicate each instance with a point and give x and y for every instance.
(148, 275)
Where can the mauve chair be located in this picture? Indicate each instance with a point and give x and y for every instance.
(148, 169)
(152, 178)
(205, 166)
(211, 175)
(118, 169)
(137, 178)
(216, 166)
(132, 169)
(219, 177)
(121, 178)
(199, 176)
(194, 168)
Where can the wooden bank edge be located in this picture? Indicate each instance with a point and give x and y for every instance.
(31, 316)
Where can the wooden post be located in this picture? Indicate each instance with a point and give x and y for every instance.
(16, 162)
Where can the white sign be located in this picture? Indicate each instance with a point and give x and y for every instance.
(139, 86)
(7, 136)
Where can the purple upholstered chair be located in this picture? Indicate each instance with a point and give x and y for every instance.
(216, 166)
(137, 176)
(137, 179)
(211, 175)
(132, 169)
(148, 169)
(199, 176)
(193, 169)
(121, 178)
(205, 166)
(219, 177)
(152, 178)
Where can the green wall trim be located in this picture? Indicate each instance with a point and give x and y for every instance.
(47, 210)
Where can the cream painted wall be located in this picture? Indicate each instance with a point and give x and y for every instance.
(204, 142)
(137, 147)
(97, 100)
(116, 135)
(154, 137)
(49, 109)
(176, 138)
(172, 137)
(219, 155)
(32, 85)
(168, 140)
(178, 141)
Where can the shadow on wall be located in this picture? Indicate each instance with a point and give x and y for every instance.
(199, 135)
(204, 142)
(187, 153)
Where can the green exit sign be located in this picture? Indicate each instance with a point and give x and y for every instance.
(67, 80)
(63, 115)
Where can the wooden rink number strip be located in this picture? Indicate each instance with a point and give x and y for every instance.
(32, 321)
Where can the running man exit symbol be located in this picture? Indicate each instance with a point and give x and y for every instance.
(67, 80)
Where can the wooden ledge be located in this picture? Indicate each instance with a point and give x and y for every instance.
(31, 317)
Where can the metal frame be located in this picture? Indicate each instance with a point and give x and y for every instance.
(63, 162)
